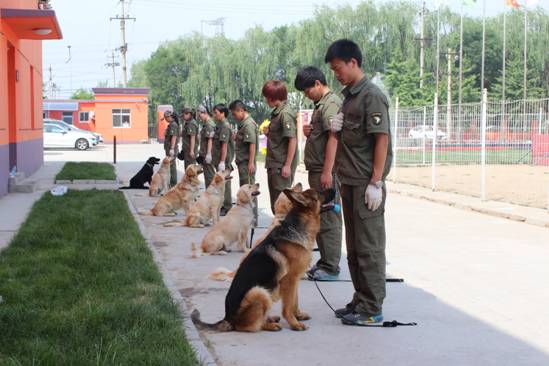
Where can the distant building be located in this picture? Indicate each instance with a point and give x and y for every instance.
(24, 24)
(114, 111)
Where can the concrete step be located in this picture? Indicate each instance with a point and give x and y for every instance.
(19, 184)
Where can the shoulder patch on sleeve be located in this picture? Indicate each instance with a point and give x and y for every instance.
(376, 117)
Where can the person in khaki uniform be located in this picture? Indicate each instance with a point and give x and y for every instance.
(246, 147)
(206, 143)
(189, 143)
(223, 150)
(171, 141)
(282, 157)
(320, 151)
(363, 160)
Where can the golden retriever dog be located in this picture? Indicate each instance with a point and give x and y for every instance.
(208, 206)
(233, 228)
(282, 206)
(271, 271)
(182, 195)
(161, 179)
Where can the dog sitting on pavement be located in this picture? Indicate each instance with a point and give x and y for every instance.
(161, 179)
(144, 175)
(233, 228)
(181, 196)
(271, 271)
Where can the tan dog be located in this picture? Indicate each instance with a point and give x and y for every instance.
(161, 179)
(272, 271)
(208, 206)
(282, 206)
(182, 195)
(233, 228)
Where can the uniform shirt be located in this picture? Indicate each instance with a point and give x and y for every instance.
(315, 147)
(207, 132)
(247, 134)
(171, 130)
(282, 127)
(189, 129)
(222, 134)
(366, 112)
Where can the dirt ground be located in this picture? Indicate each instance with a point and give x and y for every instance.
(520, 184)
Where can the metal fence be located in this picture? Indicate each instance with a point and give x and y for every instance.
(490, 149)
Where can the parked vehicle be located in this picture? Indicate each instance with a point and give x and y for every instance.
(57, 136)
(98, 137)
(426, 132)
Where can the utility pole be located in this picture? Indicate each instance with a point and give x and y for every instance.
(50, 83)
(450, 56)
(421, 45)
(524, 81)
(124, 47)
(438, 51)
(113, 64)
(218, 23)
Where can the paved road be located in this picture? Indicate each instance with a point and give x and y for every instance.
(475, 284)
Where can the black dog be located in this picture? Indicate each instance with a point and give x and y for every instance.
(144, 175)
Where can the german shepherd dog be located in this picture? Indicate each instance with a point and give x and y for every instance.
(271, 271)
(144, 175)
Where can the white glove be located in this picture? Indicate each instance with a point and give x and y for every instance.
(208, 159)
(172, 152)
(336, 122)
(373, 197)
(221, 167)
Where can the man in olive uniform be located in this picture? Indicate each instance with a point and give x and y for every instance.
(282, 156)
(206, 143)
(246, 147)
(223, 150)
(171, 141)
(189, 143)
(320, 152)
(363, 160)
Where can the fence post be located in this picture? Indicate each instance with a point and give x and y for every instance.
(114, 150)
(424, 119)
(434, 144)
(539, 119)
(395, 145)
(483, 146)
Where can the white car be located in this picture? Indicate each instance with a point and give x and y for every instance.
(57, 136)
(426, 132)
(98, 137)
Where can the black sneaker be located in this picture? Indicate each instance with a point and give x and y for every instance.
(348, 309)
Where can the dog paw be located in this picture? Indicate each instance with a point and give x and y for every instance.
(299, 326)
(273, 319)
(302, 316)
(272, 327)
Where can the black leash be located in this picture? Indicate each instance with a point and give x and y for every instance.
(387, 324)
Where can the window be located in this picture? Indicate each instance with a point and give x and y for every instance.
(67, 117)
(53, 129)
(84, 117)
(121, 118)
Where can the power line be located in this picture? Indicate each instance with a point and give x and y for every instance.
(124, 47)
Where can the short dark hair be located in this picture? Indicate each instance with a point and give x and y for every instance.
(344, 49)
(221, 108)
(237, 104)
(275, 90)
(307, 77)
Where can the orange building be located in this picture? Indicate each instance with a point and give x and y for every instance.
(120, 112)
(23, 26)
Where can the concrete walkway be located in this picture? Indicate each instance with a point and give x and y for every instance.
(474, 283)
(15, 207)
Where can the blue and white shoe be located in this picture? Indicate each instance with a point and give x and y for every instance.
(322, 275)
(361, 319)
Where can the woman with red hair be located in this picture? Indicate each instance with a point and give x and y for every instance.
(281, 160)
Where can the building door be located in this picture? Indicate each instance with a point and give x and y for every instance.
(12, 120)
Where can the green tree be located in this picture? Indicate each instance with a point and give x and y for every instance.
(84, 94)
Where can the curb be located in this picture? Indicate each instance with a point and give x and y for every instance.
(88, 181)
(468, 207)
(202, 353)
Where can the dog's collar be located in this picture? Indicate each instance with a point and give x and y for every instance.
(149, 164)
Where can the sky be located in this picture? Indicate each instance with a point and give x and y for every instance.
(87, 28)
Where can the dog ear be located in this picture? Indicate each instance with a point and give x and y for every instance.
(298, 187)
(297, 198)
(241, 196)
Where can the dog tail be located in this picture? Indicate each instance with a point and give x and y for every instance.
(145, 213)
(221, 274)
(222, 325)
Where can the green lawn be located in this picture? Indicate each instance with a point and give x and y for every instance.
(80, 287)
(86, 170)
